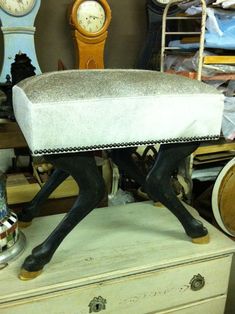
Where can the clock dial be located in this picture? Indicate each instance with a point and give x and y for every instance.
(91, 16)
(17, 7)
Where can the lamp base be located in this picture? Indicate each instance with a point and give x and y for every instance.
(14, 251)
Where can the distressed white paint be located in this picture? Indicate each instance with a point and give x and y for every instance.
(209, 306)
(136, 256)
(18, 34)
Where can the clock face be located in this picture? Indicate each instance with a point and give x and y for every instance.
(17, 7)
(91, 16)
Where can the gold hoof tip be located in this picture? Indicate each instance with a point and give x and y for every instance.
(158, 204)
(28, 275)
(201, 240)
(24, 224)
(142, 194)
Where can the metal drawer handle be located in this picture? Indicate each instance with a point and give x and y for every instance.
(97, 304)
(197, 282)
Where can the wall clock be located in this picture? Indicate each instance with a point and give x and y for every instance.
(17, 19)
(152, 42)
(90, 20)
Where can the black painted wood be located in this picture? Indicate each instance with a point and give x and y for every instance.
(83, 168)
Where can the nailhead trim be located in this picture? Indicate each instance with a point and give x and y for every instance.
(121, 145)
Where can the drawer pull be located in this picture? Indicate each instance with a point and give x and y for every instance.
(197, 282)
(97, 304)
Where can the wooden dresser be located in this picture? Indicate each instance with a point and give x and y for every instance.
(123, 260)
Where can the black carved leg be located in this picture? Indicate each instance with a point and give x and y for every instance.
(33, 208)
(158, 187)
(122, 157)
(91, 190)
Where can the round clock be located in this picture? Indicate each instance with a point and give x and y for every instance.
(91, 16)
(17, 7)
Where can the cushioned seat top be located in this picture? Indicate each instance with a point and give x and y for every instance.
(80, 110)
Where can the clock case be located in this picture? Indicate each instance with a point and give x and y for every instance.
(152, 45)
(18, 32)
(89, 45)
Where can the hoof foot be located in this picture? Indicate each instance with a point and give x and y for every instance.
(24, 224)
(158, 204)
(28, 275)
(201, 240)
(142, 194)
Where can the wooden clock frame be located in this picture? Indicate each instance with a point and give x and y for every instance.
(89, 46)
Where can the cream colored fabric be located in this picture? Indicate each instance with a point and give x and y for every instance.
(81, 110)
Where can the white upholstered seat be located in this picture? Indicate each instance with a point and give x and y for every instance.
(80, 110)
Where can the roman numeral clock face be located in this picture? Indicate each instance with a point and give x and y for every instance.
(91, 16)
(17, 7)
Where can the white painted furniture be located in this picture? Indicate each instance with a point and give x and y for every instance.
(135, 258)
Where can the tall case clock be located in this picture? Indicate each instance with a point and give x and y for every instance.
(90, 20)
(17, 20)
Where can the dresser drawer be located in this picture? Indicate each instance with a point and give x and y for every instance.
(141, 293)
(210, 306)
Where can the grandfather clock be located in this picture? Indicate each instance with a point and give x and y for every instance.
(90, 20)
(17, 19)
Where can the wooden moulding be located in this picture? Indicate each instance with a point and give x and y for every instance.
(11, 136)
(214, 148)
(20, 189)
(223, 198)
(219, 59)
(226, 199)
(67, 188)
(193, 75)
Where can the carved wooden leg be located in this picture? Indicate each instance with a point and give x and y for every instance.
(33, 208)
(91, 190)
(159, 188)
(122, 157)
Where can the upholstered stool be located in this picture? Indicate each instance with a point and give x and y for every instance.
(87, 110)
(66, 115)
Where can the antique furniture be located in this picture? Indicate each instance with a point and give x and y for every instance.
(123, 259)
(17, 19)
(90, 21)
(66, 115)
